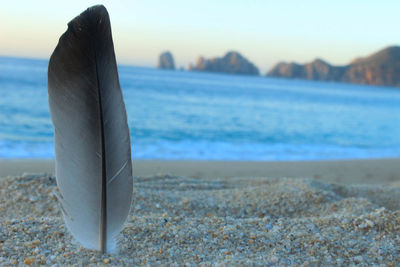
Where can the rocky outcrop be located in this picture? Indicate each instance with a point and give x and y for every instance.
(166, 61)
(232, 62)
(316, 70)
(381, 68)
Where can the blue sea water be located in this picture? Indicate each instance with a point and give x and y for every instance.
(205, 116)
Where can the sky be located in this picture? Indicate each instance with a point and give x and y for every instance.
(265, 32)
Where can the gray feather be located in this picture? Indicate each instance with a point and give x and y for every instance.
(92, 144)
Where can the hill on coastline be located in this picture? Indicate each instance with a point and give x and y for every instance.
(233, 63)
(380, 68)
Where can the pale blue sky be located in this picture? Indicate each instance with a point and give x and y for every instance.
(263, 31)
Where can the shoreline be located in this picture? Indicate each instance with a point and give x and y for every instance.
(363, 171)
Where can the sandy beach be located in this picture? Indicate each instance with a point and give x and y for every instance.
(373, 171)
(232, 213)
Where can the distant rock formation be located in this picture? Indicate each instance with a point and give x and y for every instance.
(381, 68)
(316, 70)
(232, 62)
(166, 61)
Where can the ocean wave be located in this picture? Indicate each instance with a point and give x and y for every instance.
(193, 150)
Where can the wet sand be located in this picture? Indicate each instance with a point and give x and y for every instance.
(376, 171)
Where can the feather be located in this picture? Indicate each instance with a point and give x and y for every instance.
(91, 134)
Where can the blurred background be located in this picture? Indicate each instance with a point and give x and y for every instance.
(221, 80)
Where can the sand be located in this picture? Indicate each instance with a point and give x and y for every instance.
(180, 220)
(376, 171)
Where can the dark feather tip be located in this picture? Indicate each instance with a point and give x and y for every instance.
(89, 19)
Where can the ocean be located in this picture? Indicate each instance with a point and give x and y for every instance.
(205, 116)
